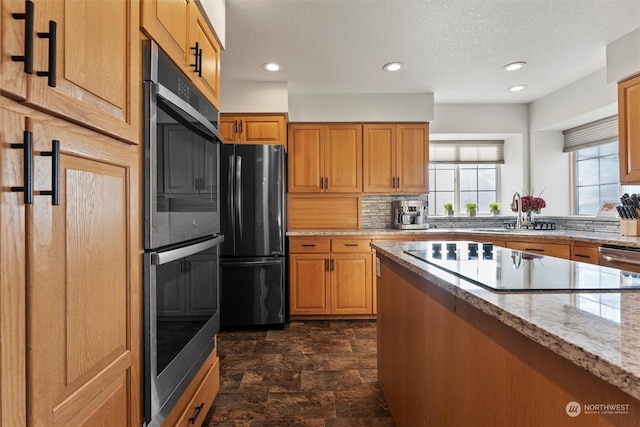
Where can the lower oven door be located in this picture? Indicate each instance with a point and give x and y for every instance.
(181, 318)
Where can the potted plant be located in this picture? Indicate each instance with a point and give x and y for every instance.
(471, 208)
(448, 209)
(494, 208)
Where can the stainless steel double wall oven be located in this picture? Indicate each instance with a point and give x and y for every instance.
(182, 232)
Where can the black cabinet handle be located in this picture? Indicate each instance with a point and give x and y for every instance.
(326, 265)
(533, 250)
(27, 168)
(197, 60)
(332, 266)
(398, 181)
(193, 419)
(28, 37)
(55, 172)
(394, 182)
(308, 245)
(351, 244)
(51, 35)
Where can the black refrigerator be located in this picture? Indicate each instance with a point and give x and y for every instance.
(253, 221)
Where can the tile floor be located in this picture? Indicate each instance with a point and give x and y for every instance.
(312, 373)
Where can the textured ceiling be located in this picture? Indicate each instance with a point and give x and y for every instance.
(453, 48)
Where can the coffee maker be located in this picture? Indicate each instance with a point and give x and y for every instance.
(410, 214)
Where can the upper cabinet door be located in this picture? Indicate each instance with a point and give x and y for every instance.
(167, 22)
(96, 64)
(227, 128)
(206, 73)
(343, 158)
(13, 74)
(263, 129)
(379, 158)
(306, 158)
(413, 158)
(629, 130)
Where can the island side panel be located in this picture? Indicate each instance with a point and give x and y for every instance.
(441, 359)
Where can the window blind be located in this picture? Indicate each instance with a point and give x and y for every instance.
(484, 151)
(590, 134)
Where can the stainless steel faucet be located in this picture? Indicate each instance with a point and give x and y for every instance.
(517, 199)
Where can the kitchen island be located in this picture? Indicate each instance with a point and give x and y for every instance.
(452, 352)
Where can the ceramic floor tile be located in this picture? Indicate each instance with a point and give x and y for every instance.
(278, 347)
(308, 405)
(330, 380)
(238, 406)
(270, 381)
(364, 346)
(328, 346)
(361, 404)
(310, 374)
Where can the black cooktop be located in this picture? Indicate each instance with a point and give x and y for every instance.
(508, 270)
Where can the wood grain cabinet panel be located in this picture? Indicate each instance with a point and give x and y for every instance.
(629, 130)
(97, 76)
(560, 250)
(83, 355)
(253, 129)
(339, 282)
(325, 158)
(13, 76)
(396, 158)
(176, 26)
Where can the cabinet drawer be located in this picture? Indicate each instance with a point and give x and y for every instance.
(201, 401)
(350, 245)
(551, 249)
(585, 254)
(309, 245)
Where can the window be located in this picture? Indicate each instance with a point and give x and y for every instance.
(462, 183)
(596, 177)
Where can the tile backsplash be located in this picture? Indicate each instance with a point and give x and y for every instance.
(377, 213)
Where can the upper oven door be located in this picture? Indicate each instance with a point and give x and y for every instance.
(181, 170)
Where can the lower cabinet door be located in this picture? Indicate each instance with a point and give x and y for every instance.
(309, 284)
(351, 284)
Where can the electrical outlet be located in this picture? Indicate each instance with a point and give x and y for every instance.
(378, 267)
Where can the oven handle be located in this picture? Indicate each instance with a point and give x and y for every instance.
(181, 105)
(159, 258)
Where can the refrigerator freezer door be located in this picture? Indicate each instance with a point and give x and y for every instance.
(252, 291)
(258, 201)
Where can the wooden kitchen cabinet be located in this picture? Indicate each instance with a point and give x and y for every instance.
(330, 283)
(253, 129)
(77, 313)
(629, 130)
(192, 407)
(585, 252)
(396, 158)
(96, 80)
(325, 158)
(560, 250)
(183, 33)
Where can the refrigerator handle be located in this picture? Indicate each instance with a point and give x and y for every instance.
(231, 202)
(239, 194)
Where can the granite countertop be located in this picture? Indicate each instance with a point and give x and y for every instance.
(599, 332)
(590, 237)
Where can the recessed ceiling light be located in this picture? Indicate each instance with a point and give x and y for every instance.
(392, 66)
(514, 66)
(271, 66)
(517, 88)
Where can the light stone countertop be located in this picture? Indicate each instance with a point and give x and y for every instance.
(590, 237)
(561, 322)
